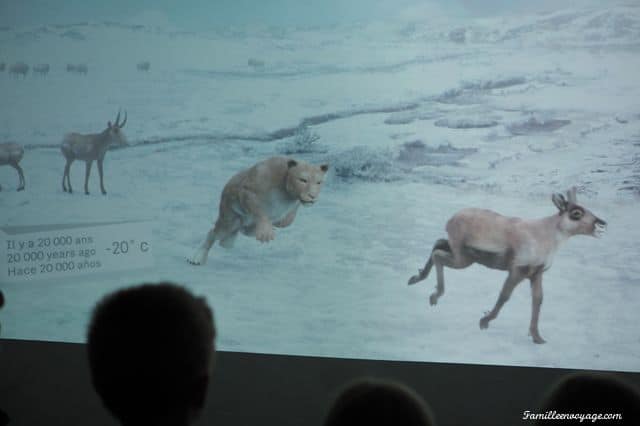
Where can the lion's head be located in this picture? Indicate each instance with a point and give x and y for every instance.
(304, 180)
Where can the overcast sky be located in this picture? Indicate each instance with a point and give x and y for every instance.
(203, 14)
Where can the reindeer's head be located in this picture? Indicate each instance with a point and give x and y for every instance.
(575, 219)
(116, 135)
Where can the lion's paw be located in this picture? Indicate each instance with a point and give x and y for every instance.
(200, 258)
(265, 233)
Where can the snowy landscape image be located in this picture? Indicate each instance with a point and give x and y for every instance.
(419, 112)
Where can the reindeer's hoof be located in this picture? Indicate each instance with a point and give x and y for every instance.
(537, 338)
(484, 323)
(104, 192)
(433, 299)
(414, 279)
(20, 189)
(193, 262)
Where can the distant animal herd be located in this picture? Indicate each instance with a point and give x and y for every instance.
(21, 69)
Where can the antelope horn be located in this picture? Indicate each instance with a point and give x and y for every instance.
(125, 120)
(571, 195)
(117, 119)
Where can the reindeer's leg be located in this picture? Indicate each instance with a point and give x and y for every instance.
(424, 272)
(69, 189)
(87, 172)
(514, 278)
(451, 258)
(66, 180)
(22, 180)
(20, 175)
(100, 160)
(536, 302)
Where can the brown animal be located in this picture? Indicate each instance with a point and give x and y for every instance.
(10, 155)
(89, 148)
(143, 66)
(78, 68)
(19, 68)
(42, 69)
(262, 197)
(524, 248)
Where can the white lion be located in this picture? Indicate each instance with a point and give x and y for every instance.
(261, 197)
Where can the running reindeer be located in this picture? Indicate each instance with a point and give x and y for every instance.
(89, 148)
(524, 248)
(11, 154)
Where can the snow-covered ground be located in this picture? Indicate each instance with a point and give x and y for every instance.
(417, 119)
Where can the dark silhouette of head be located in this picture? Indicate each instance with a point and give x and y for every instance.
(4, 418)
(592, 393)
(375, 402)
(151, 353)
(1, 305)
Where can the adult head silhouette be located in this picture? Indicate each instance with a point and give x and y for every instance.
(593, 394)
(151, 353)
(376, 402)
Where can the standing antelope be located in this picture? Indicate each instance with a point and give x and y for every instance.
(89, 148)
(524, 248)
(42, 69)
(11, 154)
(19, 68)
(143, 66)
(78, 68)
